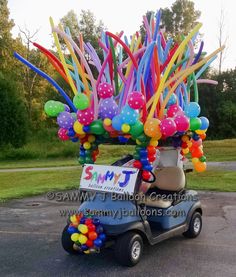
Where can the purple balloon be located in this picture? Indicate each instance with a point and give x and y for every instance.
(67, 108)
(65, 120)
(108, 108)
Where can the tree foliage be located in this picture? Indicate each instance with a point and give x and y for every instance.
(13, 115)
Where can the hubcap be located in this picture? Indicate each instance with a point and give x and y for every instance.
(196, 225)
(136, 250)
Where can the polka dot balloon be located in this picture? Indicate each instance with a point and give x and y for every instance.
(85, 117)
(136, 100)
(108, 108)
(105, 90)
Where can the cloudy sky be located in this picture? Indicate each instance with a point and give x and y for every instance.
(127, 16)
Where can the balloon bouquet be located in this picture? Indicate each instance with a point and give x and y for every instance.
(146, 91)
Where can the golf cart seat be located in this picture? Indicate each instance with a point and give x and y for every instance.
(169, 180)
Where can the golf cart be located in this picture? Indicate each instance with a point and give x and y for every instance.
(133, 211)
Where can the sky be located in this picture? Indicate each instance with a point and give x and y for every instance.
(127, 16)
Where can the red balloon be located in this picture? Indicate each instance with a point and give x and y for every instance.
(88, 221)
(89, 243)
(137, 164)
(151, 158)
(92, 235)
(197, 152)
(146, 175)
(91, 227)
(151, 150)
(184, 145)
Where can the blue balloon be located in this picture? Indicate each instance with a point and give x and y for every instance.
(71, 132)
(72, 230)
(143, 153)
(86, 129)
(172, 100)
(96, 221)
(144, 161)
(102, 237)
(148, 167)
(192, 109)
(195, 137)
(74, 139)
(82, 220)
(129, 115)
(117, 123)
(98, 242)
(99, 229)
(82, 153)
(204, 123)
(123, 139)
(84, 247)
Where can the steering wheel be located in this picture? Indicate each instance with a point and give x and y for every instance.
(153, 178)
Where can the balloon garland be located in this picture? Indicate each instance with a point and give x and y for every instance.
(87, 233)
(150, 96)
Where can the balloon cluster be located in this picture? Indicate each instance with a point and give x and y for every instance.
(147, 95)
(87, 233)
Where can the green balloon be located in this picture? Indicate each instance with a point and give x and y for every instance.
(202, 159)
(96, 127)
(53, 108)
(106, 135)
(88, 160)
(136, 129)
(136, 156)
(142, 138)
(195, 123)
(81, 101)
(81, 160)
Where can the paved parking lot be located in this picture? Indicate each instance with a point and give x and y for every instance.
(30, 232)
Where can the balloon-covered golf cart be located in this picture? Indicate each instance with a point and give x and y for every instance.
(140, 90)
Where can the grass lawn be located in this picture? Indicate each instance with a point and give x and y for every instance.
(21, 184)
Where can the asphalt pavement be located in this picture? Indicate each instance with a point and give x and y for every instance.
(30, 231)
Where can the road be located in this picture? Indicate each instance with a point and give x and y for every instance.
(30, 244)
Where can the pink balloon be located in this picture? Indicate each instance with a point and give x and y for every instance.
(182, 123)
(105, 90)
(136, 100)
(85, 117)
(173, 110)
(168, 127)
(62, 134)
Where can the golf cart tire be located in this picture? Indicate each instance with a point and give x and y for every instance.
(192, 232)
(127, 247)
(67, 243)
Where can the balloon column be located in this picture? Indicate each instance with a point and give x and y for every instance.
(86, 233)
(148, 94)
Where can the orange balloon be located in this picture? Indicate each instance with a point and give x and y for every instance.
(200, 167)
(152, 128)
(196, 152)
(202, 136)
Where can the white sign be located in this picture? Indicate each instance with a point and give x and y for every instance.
(109, 178)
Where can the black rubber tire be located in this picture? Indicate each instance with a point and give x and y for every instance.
(67, 243)
(123, 248)
(190, 233)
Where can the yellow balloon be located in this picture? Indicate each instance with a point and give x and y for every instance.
(125, 128)
(78, 127)
(152, 128)
(107, 122)
(185, 151)
(87, 145)
(153, 142)
(195, 160)
(189, 143)
(75, 237)
(82, 239)
(73, 219)
(83, 228)
(138, 142)
(200, 132)
(87, 251)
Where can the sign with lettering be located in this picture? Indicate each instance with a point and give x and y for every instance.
(112, 179)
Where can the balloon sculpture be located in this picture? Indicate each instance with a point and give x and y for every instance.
(86, 233)
(145, 91)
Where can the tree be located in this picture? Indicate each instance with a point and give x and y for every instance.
(6, 24)
(13, 115)
(180, 19)
(86, 25)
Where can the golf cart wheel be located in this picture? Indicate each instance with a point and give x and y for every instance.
(129, 249)
(195, 226)
(67, 243)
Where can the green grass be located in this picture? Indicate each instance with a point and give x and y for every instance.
(22, 184)
(212, 180)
